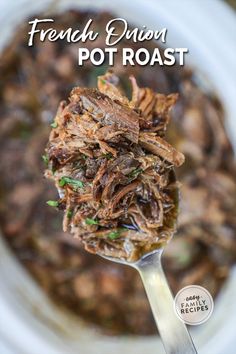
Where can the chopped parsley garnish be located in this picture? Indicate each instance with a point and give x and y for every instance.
(115, 234)
(108, 156)
(135, 172)
(52, 203)
(54, 125)
(75, 183)
(45, 159)
(90, 221)
(103, 81)
(69, 214)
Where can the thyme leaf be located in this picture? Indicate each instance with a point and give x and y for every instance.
(69, 214)
(135, 172)
(54, 125)
(115, 234)
(52, 203)
(45, 159)
(90, 221)
(73, 182)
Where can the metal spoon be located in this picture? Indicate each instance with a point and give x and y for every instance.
(174, 334)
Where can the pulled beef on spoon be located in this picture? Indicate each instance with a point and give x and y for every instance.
(114, 170)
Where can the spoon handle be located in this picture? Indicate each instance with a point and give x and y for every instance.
(174, 334)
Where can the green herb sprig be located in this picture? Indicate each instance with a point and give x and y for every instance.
(116, 234)
(45, 159)
(75, 183)
(135, 173)
(108, 156)
(69, 214)
(90, 221)
(52, 203)
(54, 125)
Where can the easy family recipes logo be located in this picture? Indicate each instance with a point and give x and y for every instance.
(116, 30)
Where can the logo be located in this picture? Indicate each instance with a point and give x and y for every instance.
(193, 305)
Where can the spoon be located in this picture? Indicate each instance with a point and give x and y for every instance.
(174, 334)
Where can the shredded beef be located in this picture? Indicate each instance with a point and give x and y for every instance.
(113, 171)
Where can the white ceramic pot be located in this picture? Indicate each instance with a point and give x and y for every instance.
(29, 322)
